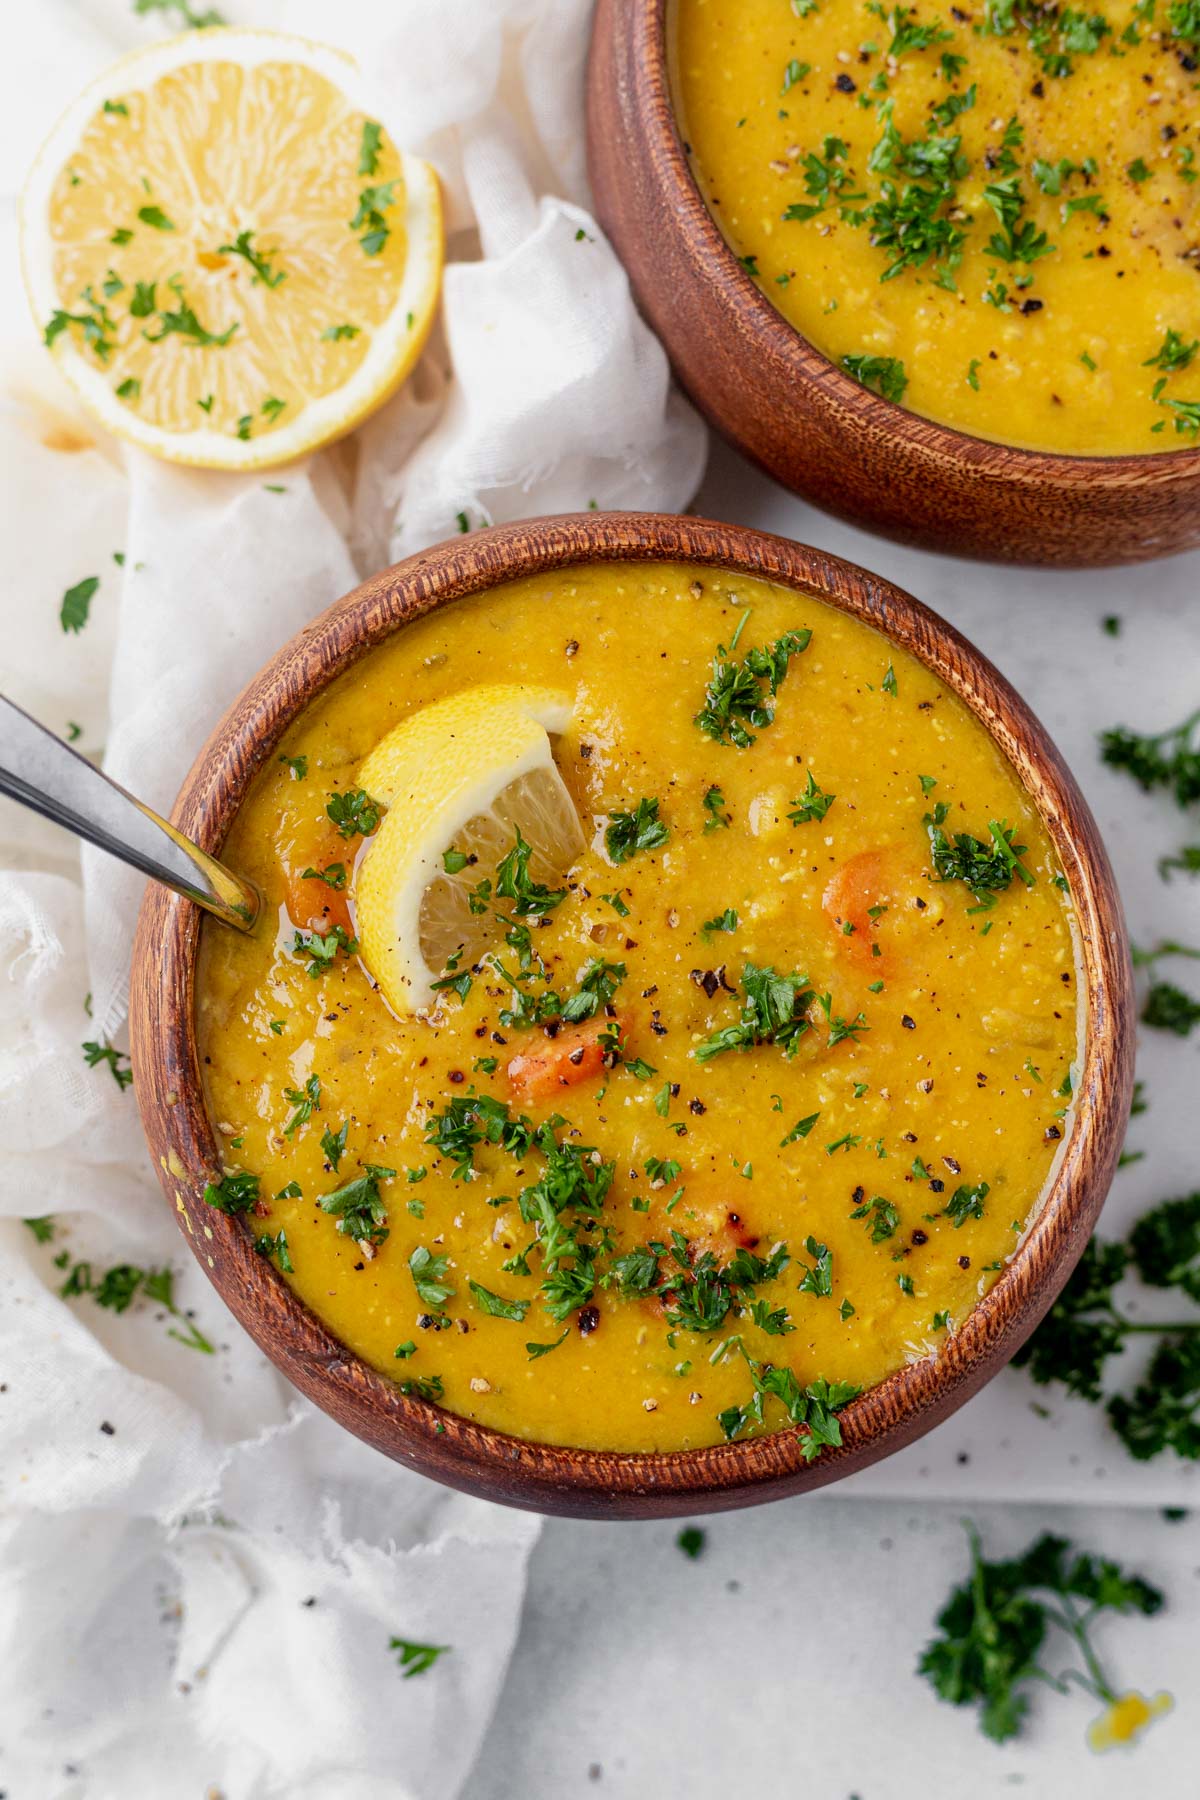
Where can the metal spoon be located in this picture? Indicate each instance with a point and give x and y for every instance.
(46, 775)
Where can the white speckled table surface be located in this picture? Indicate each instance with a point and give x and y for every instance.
(780, 1662)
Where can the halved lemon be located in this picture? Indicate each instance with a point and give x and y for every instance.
(463, 775)
(229, 258)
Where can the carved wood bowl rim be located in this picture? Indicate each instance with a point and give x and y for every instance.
(643, 115)
(549, 1478)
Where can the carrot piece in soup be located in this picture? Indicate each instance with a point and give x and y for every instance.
(575, 1055)
(865, 881)
(313, 904)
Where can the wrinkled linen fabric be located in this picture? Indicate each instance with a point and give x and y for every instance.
(200, 1574)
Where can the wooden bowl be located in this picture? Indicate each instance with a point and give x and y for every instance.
(807, 422)
(169, 1089)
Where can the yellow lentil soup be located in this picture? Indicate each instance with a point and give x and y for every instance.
(743, 1114)
(987, 212)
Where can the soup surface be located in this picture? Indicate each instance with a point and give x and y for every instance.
(987, 212)
(816, 1090)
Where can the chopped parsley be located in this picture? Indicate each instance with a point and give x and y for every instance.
(773, 1012)
(322, 949)
(739, 693)
(493, 1304)
(812, 1409)
(181, 320)
(884, 375)
(369, 147)
(812, 805)
(276, 1248)
(818, 1279)
(986, 869)
(714, 806)
(967, 1203)
(881, 1217)
(725, 921)
(354, 813)
(305, 1100)
(629, 833)
(259, 260)
(369, 218)
(359, 1210)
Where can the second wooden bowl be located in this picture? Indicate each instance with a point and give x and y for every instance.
(170, 1088)
(807, 422)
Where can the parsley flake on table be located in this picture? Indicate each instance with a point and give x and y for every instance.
(1084, 1328)
(76, 604)
(415, 1658)
(94, 1055)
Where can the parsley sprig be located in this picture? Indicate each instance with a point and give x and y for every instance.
(1084, 1328)
(1166, 759)
(117, 1288)
(993, 1629)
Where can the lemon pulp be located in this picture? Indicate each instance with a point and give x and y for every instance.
(466, 774)
(227, 254)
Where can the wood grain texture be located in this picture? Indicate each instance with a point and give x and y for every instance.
(603, 1484)
(787, 406)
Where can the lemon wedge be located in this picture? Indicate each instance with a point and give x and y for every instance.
(463, 775)
(228, 257)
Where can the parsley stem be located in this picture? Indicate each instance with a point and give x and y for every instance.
(1070, 1622)
(1181, 1325)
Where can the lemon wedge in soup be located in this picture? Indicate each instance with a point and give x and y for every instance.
(228, 256)
(460, 779)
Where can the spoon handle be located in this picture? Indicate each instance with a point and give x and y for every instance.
(43, 773)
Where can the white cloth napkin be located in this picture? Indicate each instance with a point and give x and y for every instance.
(199, 1574)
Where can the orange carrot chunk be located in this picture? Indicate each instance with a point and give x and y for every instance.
(314, 904)
(860, 883)
(574, 1055)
